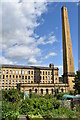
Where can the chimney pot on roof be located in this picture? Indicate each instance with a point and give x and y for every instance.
(51, 65)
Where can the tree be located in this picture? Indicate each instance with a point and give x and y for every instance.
(77, 83)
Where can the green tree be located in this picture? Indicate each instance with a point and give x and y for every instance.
(77, 83)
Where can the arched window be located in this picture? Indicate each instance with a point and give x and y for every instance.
(57, 90)
(42, 91)
(51, 91)
(46, 91)
(30, 91)
(35, 90)
(62, 90)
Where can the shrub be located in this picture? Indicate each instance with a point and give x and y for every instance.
(59, 95)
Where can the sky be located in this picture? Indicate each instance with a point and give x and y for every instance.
(32, 33)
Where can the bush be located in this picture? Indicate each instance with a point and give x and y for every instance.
(10, 111)
(78, 108)
(12, 95)
(59, 95)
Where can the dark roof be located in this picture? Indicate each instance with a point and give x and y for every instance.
(26, 67)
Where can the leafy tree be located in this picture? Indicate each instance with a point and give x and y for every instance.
(77, 83)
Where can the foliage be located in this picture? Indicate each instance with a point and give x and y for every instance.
(10, 111)
(14, 105)
(78, 108)
(13, 95)
(38, 105)
(59, 95)
(77, 83)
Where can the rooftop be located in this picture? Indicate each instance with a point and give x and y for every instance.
(26, 67)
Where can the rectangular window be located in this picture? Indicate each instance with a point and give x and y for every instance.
(13, 82)
(34, 72)
(48, 77)
(25, 71)
(16, 81)
(3, 71)
(31, 77)
(10, 76)
(25, 77)
(16, 71)
(6, 71)
(19, 72)
(6, 81)
(43, 77)
(6, 76)
(3, 82)
(22, 71)
(48, 73)
(0, 76)
(13, 76)
(28, 72)
(34, 77)
(0, 81)
(28, 77)
(19, 76)
(13, 71)
(9, 87)
(43, 72)
(10, 71)
(16, 76)
(3, 76)
(6, 88)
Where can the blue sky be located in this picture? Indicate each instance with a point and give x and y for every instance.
(53, 23)
(32, 33)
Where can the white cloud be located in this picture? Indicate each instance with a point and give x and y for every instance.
(33, 61)
(18, 23)
(3, 60)
(52, 54)
(48, 39)
(22, 52)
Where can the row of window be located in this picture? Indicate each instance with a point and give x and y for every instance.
(9, 87)
(16, 72)
(16, 76)
(47, 91)
(26, 77)
(26, 72)
(36, 90)
(23, 81)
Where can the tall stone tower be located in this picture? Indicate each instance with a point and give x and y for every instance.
(68, 64)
